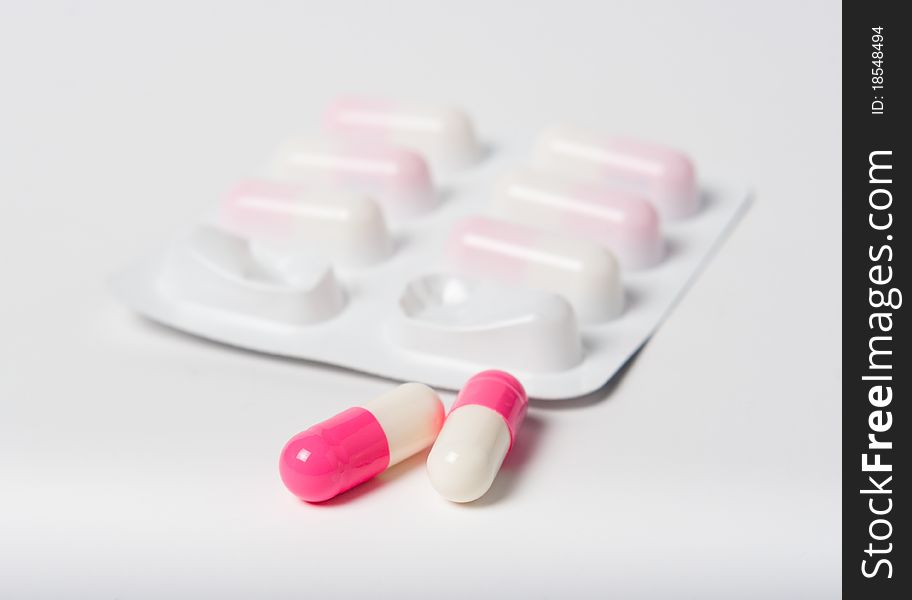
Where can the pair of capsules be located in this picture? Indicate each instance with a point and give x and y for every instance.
(469, 444)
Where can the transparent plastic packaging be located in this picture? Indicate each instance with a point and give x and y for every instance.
(353, 248)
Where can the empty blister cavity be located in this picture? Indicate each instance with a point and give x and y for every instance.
(347, 228)
(225, 271)
(664, 175)
(626, 224)
(445, 135)
(486, 323)
(586, 274)
(397, 178)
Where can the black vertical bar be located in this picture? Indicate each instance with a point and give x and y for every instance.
(876, 368)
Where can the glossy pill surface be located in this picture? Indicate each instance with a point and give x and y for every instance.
(476, 436)
(361, 442)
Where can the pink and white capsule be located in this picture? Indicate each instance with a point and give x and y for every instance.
(360, 443)
(397, 178)
(476, 436)
(348, 228)
(664, 175)
(626, 224)
(581, 271)
(443, 134)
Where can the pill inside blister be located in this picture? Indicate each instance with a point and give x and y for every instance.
(487, 323)
(347, 228)
(626, 224)
(586, 274)
(226, 272)
(663, 175)
(444, 135)
(397, 178)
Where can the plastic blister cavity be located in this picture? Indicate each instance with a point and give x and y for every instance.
(226, 272)
(480, 322)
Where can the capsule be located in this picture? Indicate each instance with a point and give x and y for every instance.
(476, 436)
(397, 178)
(361, 442)
(443, 134)
(625, 223)
(664, 175)
(348, 228)
(581, 271)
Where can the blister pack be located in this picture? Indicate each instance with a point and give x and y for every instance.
(392, 243)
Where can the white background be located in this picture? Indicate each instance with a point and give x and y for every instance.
(137, 462)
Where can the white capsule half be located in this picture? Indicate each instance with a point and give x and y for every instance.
(663, 175)
(468, 453)
(443, 134)
(410, 415)
(397, 178)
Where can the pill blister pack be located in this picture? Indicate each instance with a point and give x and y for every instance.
(392, 243)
